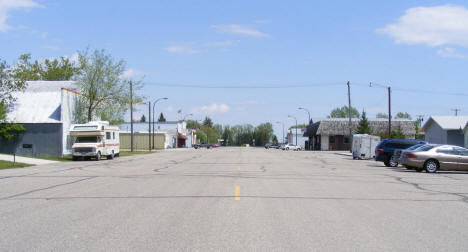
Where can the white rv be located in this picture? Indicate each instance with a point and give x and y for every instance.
(95, 139)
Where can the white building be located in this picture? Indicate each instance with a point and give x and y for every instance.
(46, 109)
(301, 139)
(186, 138)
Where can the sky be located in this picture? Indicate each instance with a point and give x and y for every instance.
(259, 61)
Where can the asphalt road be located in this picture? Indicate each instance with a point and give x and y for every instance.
(231, 199)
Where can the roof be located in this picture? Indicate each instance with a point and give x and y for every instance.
(447, 122)
(40, 102)
(341, 127)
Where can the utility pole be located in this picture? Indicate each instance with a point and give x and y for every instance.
(154, 103)
(350, 125)
(131, 116)
(389, 112)
(456, 111)
(149, 126)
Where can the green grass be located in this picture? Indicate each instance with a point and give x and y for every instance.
(61, 159)
(129, 153)
(9, 165)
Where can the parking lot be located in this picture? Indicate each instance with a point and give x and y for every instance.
(232, 199)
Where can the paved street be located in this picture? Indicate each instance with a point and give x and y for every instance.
(231, 199)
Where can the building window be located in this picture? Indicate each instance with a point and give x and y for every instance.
(113, 135)
(331, 139)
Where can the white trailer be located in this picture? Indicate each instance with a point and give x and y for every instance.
(95, 139)
(364, 146)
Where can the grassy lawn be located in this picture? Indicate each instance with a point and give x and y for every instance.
(61, 159)
(129, 153)
(9, 165)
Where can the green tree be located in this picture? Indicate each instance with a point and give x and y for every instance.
(227, 136)
(219, 129)
(382, 116)
(363, 127)
(162, 118)
(201, 136)
(211, 135)
(343, 112)
(299, 126)
(9, 83)
(50, 69)
(208, 122)
(275, 139)
(101, 85)
(192, 124)
(263, 134)
(143, 118)
(403, 115)
(398, 133)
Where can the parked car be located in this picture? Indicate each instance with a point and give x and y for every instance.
(215, 145)
(437, 157)
(397, 153)
(291, 147)
(203, 145)
(384, 151)
(271, 145)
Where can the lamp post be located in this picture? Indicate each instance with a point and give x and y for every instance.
(296, 126)
(308, 122)
(154, 103)
(282, 141)
(389, 89)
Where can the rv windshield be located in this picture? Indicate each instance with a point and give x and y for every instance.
(88, 139)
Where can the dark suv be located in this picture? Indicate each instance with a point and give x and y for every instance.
(386, 148)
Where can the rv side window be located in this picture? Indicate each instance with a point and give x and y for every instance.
(108, 135)
(113, 135)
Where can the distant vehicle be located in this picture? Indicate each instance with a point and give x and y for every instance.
(291, 147)
(437, 157)
(397, 154)
(95, 139)
(384, 151)
(215, 145)
(203, 145)
(271, 145)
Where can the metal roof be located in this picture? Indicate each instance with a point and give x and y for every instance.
(40, 102)
(447, 122)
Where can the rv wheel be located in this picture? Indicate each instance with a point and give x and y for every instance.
(111, 156)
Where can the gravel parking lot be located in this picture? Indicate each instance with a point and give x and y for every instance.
(232, 199)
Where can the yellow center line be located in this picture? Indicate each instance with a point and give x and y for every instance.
(238, 167)
(237, 193)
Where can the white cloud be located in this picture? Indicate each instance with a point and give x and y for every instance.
(213, 108)
(262, 21)
(181, 49)
(8, 5)
(432, 26)
(449, 52)
(240, 29)
(225, 43)
(132, 73)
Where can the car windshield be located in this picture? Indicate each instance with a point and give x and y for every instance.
(425, 147)
(414, 147)
(88, 139)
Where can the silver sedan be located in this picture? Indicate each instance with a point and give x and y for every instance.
(437, 157)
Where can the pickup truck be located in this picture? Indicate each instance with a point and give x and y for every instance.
(203, 145)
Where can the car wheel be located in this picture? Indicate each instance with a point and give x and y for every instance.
(392, 162)
(74, 158)
(98, 156)
(431, 166)
(287, 148)
(386, 163)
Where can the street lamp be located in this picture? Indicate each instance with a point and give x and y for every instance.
(283, 131)
(154, 103)
(296, 126)
(308, 112)
(389, 106)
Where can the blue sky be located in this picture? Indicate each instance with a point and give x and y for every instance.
(417, 45)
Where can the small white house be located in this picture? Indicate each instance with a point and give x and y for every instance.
(445, 130)
(301, 139)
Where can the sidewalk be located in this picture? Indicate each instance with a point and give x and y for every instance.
(26, 160)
